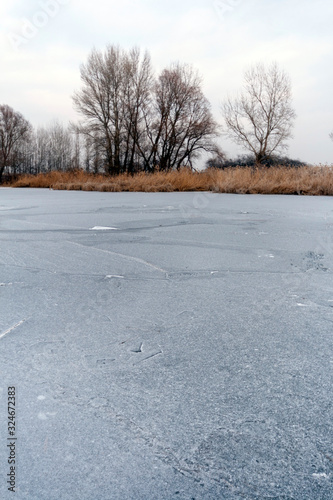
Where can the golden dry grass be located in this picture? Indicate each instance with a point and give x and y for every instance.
(275, 180)
(315, 181)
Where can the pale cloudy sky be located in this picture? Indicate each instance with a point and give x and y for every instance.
(43, 43)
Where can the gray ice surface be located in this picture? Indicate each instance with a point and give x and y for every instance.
(167, 345)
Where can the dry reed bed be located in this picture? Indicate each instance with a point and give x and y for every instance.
(275, 180)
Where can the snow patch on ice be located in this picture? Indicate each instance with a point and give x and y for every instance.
(321, 475)
(103, 228)
(44, 416)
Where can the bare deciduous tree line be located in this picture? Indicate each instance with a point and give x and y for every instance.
(137, 122)
(25, 150)
(133, 121)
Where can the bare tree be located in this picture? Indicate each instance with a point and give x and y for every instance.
(138, 84)
(14, 132)
(94, 100)
(76, 157)
(261, 118)
(61, 147)
(115, 86)
(42, 155)
(182, 125)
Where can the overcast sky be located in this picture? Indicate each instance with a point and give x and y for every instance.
(43, 43)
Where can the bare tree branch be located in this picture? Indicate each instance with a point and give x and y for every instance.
(261, 119)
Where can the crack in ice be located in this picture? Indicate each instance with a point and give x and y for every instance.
(127, 257)
(12, 328)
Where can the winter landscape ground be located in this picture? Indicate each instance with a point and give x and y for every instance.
(167, 345)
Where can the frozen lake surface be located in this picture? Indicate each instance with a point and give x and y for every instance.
(167, 345)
